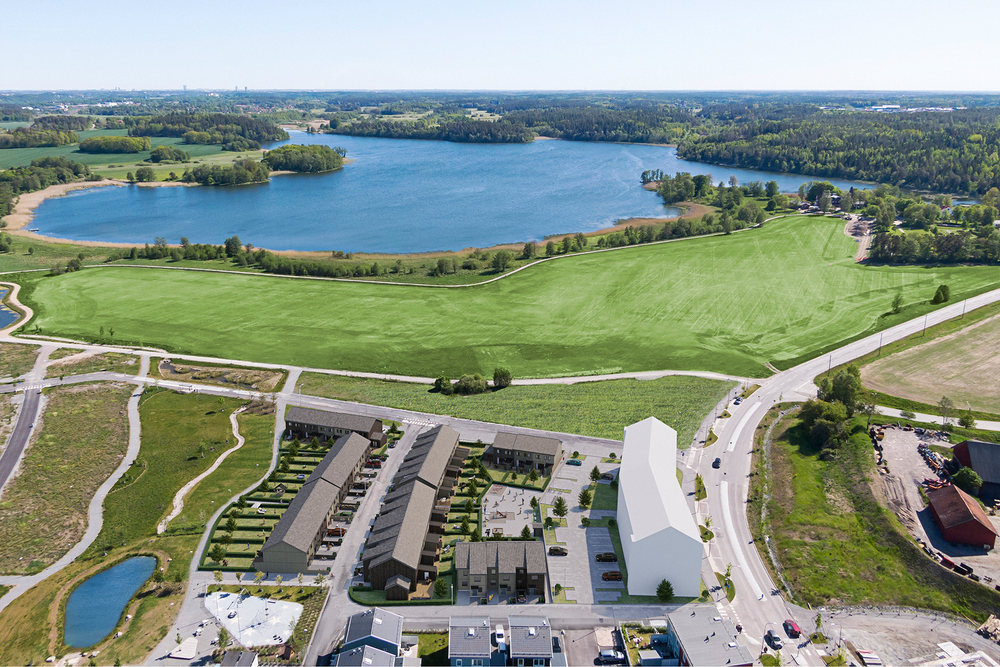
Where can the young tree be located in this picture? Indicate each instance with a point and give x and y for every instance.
(526, 533)
(470, 507)
(897, 303)
(473, 488)
(665, 591)
(585, 498)
(501, 378)
(239, 578)
(559, 508)
(277, 580)
(548, 522)
(217, 575)
(440, 587)
(465, 526)
(226, 538)
(223, 638)
(946, 405)
(576, 454)
(533, 476)
(300, 581)
(708, 521)
(217, 553)
(319, 580)
(595, 474)
(241, 502)
(534, 502)
(231, 524)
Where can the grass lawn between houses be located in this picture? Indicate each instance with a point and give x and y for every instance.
(780, 294)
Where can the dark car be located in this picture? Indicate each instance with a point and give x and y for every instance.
(558, 551)
(607, 558)
(791, 629)
(556, 646)
(607, 475)
(717, 463)
(773, 640)
(614, 575)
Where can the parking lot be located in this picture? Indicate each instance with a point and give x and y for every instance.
(579, 570)
(907, 469)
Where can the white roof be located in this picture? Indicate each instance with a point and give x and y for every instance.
(186, 650)
(648, 479)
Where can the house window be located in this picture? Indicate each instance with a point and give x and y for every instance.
(539, 662)
(476, 662)
(458, 661)
(520, 662)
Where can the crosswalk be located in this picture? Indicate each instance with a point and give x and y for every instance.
(418, 422)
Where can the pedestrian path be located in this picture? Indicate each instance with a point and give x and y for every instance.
(935, 419)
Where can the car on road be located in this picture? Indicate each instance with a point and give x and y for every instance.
(610, 657)
(558, 551)
(607, 557)
(392, 445)
(574, 462)
(614, 575)
(717, 463)
(773, 640)
(738, 401)
(791, 629)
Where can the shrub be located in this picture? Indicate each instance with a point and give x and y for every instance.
(501, 378)
(942, 294)
(471, 384)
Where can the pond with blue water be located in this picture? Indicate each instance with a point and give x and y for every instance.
(7, 316)
(398, 196)
(95, 607)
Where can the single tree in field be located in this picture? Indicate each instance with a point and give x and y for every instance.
(473, 489)
(158, 577)
(665, 591)
(559, 508)
(595, 474)
(526, 533)
(585, 498)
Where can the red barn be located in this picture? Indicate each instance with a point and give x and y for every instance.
(960, 517)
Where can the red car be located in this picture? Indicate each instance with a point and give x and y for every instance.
(791, 629)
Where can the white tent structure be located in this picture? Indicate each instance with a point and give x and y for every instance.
(659, 536)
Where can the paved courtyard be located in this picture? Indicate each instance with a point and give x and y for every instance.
(254, 621)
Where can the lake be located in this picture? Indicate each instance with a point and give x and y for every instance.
(94, 608)
(397, 196)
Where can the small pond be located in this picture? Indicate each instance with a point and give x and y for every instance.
(7, 316)
(94, 608)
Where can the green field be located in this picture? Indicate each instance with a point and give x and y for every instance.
(724, 303)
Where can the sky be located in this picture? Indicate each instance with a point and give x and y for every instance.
(883, 45)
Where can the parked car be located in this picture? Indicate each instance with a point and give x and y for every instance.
(614, 575)
(556, 646)
(607, 475)
(791, 629)
(773, 640)
(232, 614)
(574, 462)
(609, 557)
(336, 532)
(558, 551)
(717, 463)
(609, 657)
(500, 635)
(392, 444)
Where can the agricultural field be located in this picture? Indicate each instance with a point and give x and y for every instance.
(84, 429)
(724, 303)
(963, 365)
(836, 544)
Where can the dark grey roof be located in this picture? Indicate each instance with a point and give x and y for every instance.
(397, 580)
(308, 510)
(365, 656)
(708, 641)
(238, 658)
(505, 556)
(429, 456)
(527, 443)
(985, 460)
(530, 637)
(469, 637)
(375, 622)
(329, 419)
(406, 531)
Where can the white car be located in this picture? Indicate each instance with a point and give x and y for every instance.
(500, 635)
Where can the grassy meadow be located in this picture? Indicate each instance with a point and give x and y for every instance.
(598, 409)
(724, 303)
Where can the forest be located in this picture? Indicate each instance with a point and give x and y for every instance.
(42, 173)
(235, 132)
(314, 158)
(22, 137)
(469, 131)
(114, 144)
(655, 124)
(169, 154)
(242, 172)
(71, 123)
(946, 152)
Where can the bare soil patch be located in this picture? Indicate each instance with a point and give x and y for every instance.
(963, 365)
(245, 378)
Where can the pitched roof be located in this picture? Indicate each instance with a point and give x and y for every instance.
(305, 515)
(985, 460)
(955, 507)
(404, 530)
(503, 555)
(365, 656)
(429, 456)
(527, 443)
(329, 419)
(375, 622)
(648, 483)
(530, 637)
(469, 637)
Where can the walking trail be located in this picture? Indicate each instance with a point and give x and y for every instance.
(179, 498)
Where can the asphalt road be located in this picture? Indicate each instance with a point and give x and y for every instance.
(26, 418)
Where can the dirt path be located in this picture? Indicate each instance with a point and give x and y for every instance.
(861, 231)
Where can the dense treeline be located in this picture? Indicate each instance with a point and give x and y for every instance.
(946, 152)
(468, 131)
(22, 137)
(242, 172)
(647, 124)
(114, 144)
(11, 113)
(169, 154)
(70, 123)
(235, 132)
(312, 158)
(42, 173)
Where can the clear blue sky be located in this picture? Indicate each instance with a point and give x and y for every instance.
(505, 44)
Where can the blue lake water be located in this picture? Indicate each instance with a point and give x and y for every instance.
(7, 316)
(398, 196)
(94, 608)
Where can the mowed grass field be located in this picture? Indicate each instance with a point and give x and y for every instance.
(964, 366)
(725, 303)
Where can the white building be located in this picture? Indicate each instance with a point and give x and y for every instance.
(659, 536)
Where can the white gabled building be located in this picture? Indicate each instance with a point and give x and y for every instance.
(659, 536)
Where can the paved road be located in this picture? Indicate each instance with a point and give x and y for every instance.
(937, 419)
(26, 418)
